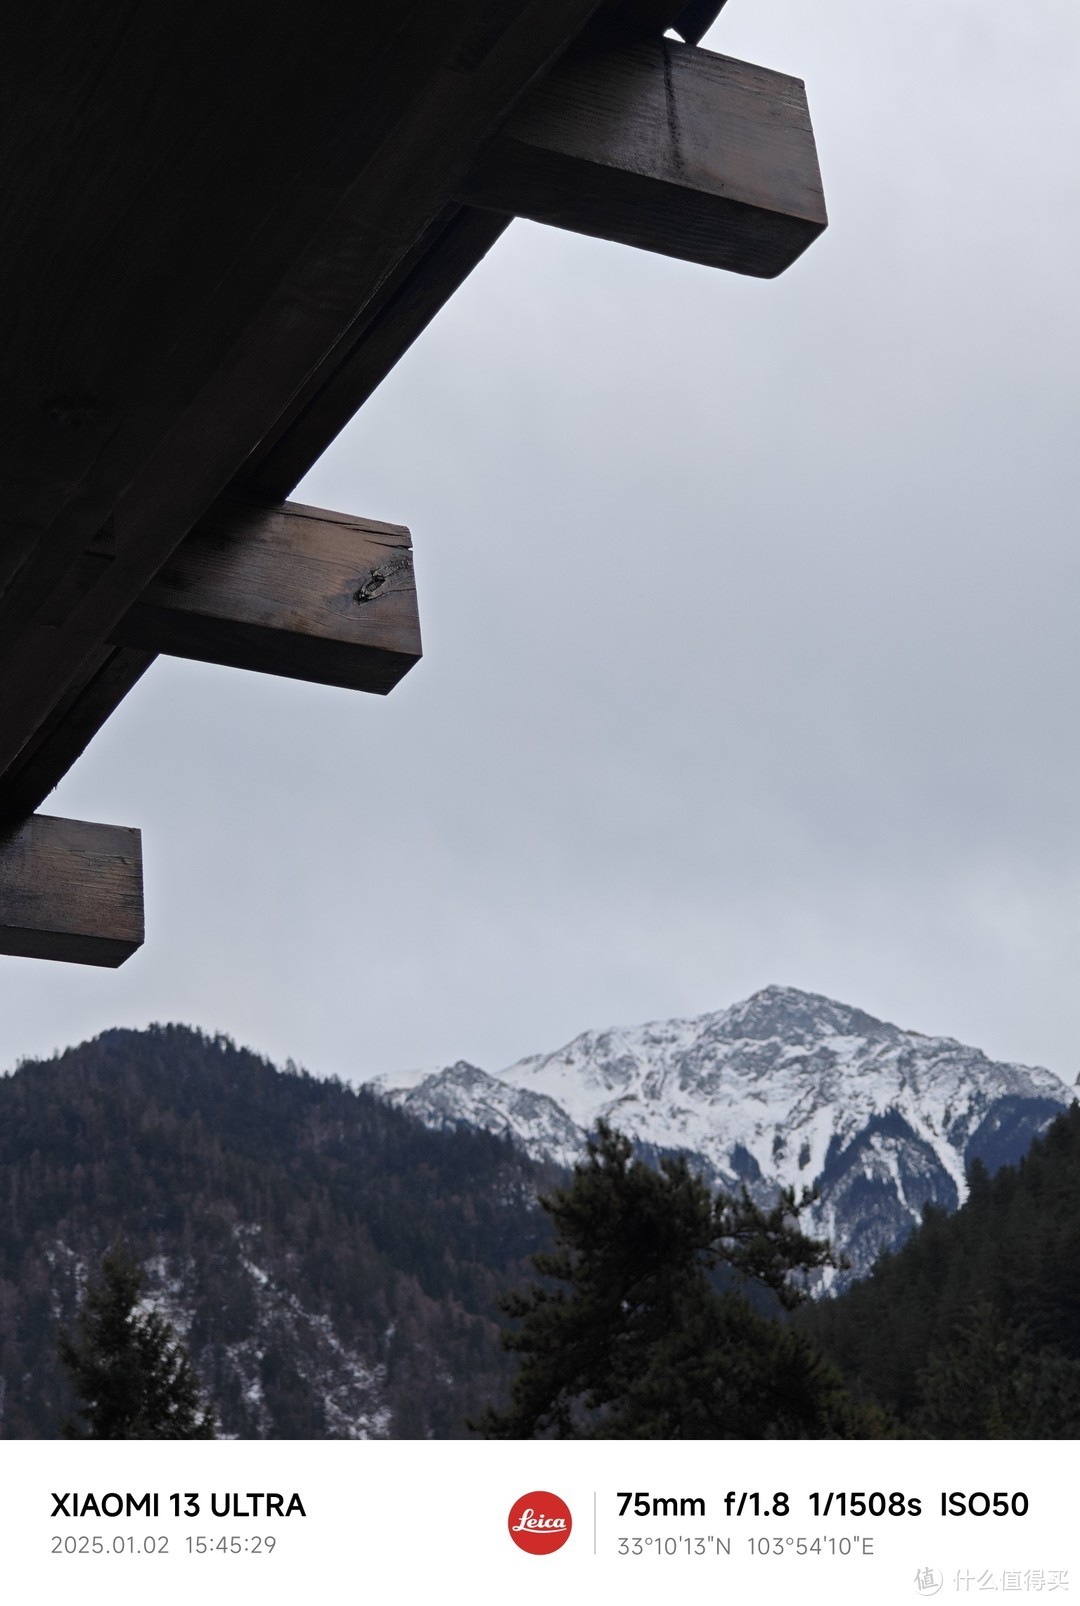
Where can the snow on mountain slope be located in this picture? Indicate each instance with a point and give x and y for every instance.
(463, 1094)
(784, 1089)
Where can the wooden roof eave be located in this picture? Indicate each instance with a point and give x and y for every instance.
(157, 422)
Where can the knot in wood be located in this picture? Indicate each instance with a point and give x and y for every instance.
(380, 577)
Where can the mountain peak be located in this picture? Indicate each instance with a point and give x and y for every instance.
(783, 1089)
(796, 1016)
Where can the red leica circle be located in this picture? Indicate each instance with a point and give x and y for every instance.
(539, 1522)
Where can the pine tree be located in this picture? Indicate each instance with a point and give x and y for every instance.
(131, 1375)
(630, 1338)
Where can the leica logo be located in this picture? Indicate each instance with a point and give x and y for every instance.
(539, 1522)
(529, 1521)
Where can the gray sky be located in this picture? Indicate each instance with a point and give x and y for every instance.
(750, 626)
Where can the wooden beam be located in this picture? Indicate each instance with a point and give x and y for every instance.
(452, 245)
(255, 587)
(286, 590)
(196, 306)
(70, 890)
(665, 147)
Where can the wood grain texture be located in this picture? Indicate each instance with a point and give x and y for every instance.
(71, 890)
(668, 148)
(286, 590)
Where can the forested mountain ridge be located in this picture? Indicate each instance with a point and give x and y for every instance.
(331, 1263)
(972, 1329)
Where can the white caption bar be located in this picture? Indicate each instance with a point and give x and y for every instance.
(816, 1522)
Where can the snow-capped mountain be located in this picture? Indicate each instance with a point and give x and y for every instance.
(785, 1089)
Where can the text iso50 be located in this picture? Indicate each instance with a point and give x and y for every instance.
(980, 1504)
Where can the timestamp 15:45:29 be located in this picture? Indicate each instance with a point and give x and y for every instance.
(230, 1544)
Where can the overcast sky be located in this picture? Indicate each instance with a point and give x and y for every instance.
(750, 621)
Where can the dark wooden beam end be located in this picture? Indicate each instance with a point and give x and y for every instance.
(70, 890)
(286, 590)
(668, 148)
